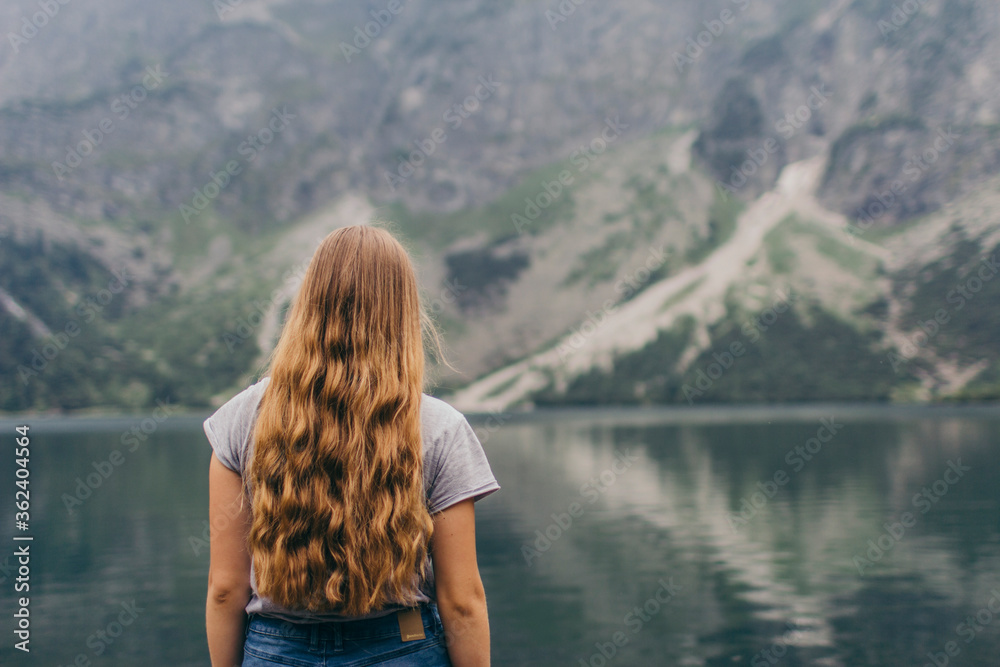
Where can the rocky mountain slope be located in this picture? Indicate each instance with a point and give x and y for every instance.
(603, 199)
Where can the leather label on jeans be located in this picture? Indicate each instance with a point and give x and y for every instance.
(411, 625)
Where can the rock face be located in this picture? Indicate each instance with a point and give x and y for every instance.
(601, 197)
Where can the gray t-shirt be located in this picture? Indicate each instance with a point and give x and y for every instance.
(455, 469)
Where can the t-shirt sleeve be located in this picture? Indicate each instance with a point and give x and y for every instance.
(230, 427)
(462, 470)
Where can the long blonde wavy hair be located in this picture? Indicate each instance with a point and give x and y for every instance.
(339, 521)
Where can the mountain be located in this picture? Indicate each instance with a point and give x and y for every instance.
(673, 202)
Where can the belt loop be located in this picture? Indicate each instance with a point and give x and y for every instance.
(314, 637)
(338, 637)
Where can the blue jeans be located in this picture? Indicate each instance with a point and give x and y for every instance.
(376, 641)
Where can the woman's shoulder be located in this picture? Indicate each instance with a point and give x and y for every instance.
(438, 414)
(256, 390)
(228, 428)
(455, 464)
(244, 401)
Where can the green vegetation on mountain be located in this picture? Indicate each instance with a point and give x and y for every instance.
(787, 361)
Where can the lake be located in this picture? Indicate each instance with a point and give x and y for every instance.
(819, 535)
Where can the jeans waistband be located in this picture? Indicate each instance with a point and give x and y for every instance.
(381, 627)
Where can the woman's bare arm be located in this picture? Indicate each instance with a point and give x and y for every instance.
(461, 598)
(229, 571)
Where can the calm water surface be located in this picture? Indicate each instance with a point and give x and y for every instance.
(709, 537)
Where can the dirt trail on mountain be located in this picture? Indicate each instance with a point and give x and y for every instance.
(696, 290)
(16, 310)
